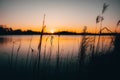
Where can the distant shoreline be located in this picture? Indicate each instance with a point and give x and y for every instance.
(89, 34)
(10, 31)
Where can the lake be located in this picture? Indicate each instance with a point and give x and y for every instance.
(67, 45)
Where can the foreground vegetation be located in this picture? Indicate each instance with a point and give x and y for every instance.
(96, 65)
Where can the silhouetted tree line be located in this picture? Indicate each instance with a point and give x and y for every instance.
(9, 31)
(4, 30)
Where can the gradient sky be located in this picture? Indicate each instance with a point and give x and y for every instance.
(70, 15)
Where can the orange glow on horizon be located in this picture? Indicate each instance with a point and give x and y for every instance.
(56, 29)
(52, 31)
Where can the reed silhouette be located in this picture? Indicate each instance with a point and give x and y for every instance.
(28, 53)
(94, 65)
(16, 58)
(82, 67)
(39, 47)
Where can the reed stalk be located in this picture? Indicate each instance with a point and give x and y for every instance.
(12, 54)
(51, 42)
(57, 61)
(45, 50)
(100, 19)
(39, 48)
(28, 53)
(17, 53)
(118, 23)
(83, 47)
(40, 41)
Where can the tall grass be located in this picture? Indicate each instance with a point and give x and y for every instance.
(70, 67)
(83, 47)
(100, 19)
(101, 66)
(17, 53)
(45, 49)
(12, 54)
(51, 45)
(28, 53)
(117, 43)
(118, 23)
(39, 48)
(40, 42)
(57, 61)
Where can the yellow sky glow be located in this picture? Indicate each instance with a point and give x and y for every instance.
(61, 15)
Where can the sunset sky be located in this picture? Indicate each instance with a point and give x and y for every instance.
(71, 15)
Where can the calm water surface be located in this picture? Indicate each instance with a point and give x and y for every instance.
(66, 45)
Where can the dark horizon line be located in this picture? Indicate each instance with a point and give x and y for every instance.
(10, 31)
(58, 33)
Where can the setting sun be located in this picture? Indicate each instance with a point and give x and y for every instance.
(59, 39)
(52, 31)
